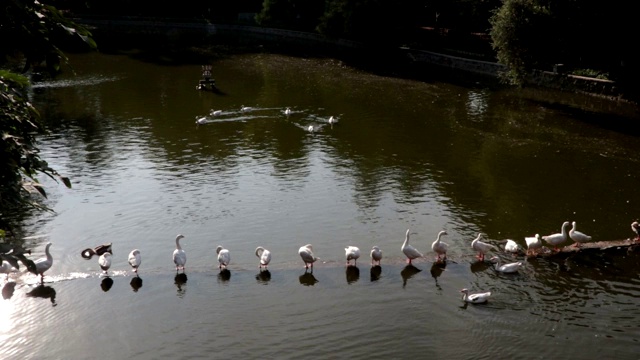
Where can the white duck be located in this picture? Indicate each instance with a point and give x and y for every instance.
(376, 255)
(481, 247)
(306, 253)
(311, 128)
(135, 259)
(511, 246)
(201, 120)
(245, 108)
(216, 112)
(636, 229)
(264, 255)
(6, 268)
(577, 236)
(287, 111)
(179, 256)
(506, 268)
(533, 243)
(224, 257)
(352, 253)
(440, 247)
(558, 238)
(105, 262)
(409, 250)
(44, 264)
(332, 120)
(477, 298)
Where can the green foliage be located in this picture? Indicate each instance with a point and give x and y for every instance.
(30, 32)
(290, 14)
(520, 34)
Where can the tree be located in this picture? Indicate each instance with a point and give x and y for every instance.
(31, 32)
(518, 34)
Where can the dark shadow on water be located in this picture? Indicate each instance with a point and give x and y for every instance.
(8, 289)
(263, 277)
(437, 269)
(136, 283)
(106, 284)
(224, 275)
(407, 273)
(180, 280)
(45, 292)
(375, 272)
(479, 266)
(307, 279)
(353, 274)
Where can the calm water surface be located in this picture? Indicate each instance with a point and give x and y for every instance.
(419, 155)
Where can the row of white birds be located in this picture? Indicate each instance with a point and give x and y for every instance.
(202, 120)
(352, 253)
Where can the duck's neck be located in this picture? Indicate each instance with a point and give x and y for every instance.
(46, 251)
(406, 241)
(178, 243)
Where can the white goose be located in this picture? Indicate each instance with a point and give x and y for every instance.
(201, 120)
(332, 120)
(440, 247)
(224, 257)
(533, 243)
(506, 268)
(376, 255)
(511, 246)
(179, 256)
(477, 298)
(264, 255)
(481, 247)
(6, 268)
(352, 253)
(636, 229)
(306, 253)
(558, 238)
(409, 250)
(287, 111)
(577, 236)
(105, 262)
(135, 259)
(44, 264)
(245, 108)
(216, 112)
(311, 129)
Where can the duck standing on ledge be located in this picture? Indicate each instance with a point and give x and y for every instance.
(410, 252)
(481, 247)
(440, 247)
(376, 255)
(577, 236)
(558, 238)
(636, 229)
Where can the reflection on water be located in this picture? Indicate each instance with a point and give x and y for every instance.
(8, 290)
(224, 275)
(45, 292)
(480, 266)
(106, 284)
(352, 273)
(407, 273)
(437, 268)
(375, 272)
(263, 277)
(180, 280)
(136, 283)
(307, 279)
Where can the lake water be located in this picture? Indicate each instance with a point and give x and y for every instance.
(420, 155)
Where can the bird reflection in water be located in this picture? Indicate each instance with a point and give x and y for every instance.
(136, 283)
(45, 292)
(353, 274)
(437, 269)
(479, 266)
(8, 289)
(180, 279)
(376, 271)
(307, 279)
(407, 273)
(106, 284)
(263, 276)
(224, 275)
